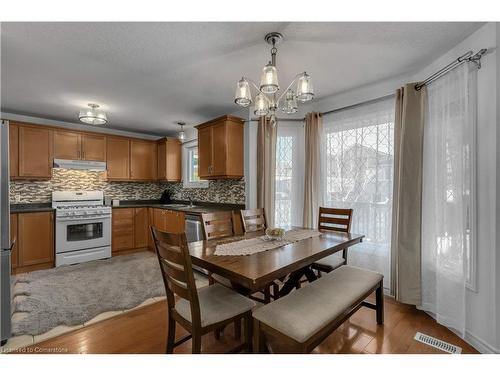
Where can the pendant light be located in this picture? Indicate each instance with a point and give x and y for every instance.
(261, 106)
(290, 104)
(93, 116)
(243, 96)
(181, 135)
(305, 90)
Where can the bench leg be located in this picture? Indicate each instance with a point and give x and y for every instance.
(258, 338)
(379, 300)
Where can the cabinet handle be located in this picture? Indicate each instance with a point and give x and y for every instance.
(83, 154)
(78, 154)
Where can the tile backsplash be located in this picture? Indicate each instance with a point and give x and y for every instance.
(219, 191)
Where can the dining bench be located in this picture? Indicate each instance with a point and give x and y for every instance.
(304, 318)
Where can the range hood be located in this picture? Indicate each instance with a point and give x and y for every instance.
(80, 164)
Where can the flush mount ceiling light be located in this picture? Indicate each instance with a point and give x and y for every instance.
(181, 135)
(267, 100)
(92, 115)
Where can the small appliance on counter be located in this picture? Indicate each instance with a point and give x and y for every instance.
(165, 197)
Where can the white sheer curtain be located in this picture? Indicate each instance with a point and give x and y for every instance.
(289, 202)
(358, 152)
(448, 195)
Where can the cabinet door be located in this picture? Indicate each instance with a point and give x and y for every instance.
(13, 150)
(162, 160)
(143, 162)
(35, 152)
(141, 227)
(67, 145)
(13, 237)
(219, 147)
(159, 219)
(93, 147)
(173, 160)
(122, 229)
(174, 221)
(36, 238)
(117, 163)
(204, 151)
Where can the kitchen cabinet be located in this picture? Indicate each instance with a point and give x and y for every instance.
(169, 221)
(118, 158)
(220, 148)
(79, 146)
(14, 258)
(35, 152)
(13, 150)
(122, 229)
(93, 147)
(169, 160)
(35, 241)
(141, 227)
(143, 160)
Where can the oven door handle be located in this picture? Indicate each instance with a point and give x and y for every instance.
(80, 218)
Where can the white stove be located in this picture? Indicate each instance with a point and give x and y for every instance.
(83, 226)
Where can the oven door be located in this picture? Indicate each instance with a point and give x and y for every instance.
(77, 234)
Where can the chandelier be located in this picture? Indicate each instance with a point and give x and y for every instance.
(267, 100)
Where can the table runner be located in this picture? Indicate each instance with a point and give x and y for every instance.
(259, 244)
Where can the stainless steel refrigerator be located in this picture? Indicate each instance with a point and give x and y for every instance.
(5, 241)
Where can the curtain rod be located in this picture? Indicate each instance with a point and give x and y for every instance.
(371, 101)
(468, 56)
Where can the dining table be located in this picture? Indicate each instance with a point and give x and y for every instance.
(289, 263)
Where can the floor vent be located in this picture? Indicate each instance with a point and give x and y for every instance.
(438, 344)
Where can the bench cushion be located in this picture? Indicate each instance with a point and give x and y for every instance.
(217, 303)
(307, 310)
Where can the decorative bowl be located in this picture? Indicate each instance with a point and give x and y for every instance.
(275, 233)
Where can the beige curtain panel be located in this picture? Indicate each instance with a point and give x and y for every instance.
(407, 199)
(266, 167)
(312, 171)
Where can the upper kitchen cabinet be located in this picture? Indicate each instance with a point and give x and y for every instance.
(143, 160)
(169, 159)
(118, 158)
(13, 150)
(35, 152)
(220, 148)
(79, 146)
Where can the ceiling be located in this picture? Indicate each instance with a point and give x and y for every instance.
(147, 76)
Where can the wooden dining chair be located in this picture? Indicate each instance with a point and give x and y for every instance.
(335, 219)
(217, 225)
(198, 311)
(253, 220)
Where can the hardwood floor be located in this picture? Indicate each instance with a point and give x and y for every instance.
(144, 331)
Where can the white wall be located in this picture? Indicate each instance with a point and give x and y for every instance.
(483, 306)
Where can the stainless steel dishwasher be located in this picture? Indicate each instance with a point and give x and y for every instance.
(194, 231)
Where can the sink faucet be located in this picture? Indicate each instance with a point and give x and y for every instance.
(191, 202)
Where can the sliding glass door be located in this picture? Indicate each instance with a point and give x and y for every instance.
(358, 153)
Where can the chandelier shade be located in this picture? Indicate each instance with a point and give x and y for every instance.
(290, 104)
(269, 80)
(261, 105)
(268, 99)
(92, 115)
(243, 96)
(305, 91)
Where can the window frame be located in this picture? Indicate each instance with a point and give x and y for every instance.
(187, 147)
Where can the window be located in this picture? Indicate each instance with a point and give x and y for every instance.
(289, 174)
(359, 160)
(190, 166)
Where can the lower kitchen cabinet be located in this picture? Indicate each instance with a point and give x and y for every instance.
(122, 228)
(34, 233)
(14, 257)
(130, 229)
(169, 221)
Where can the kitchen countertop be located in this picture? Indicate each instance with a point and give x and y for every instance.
(200, 207)
(30, 207)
